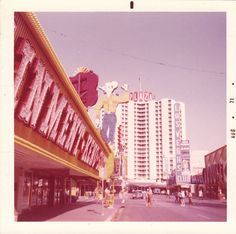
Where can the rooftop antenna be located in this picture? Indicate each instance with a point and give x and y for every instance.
(140, 87)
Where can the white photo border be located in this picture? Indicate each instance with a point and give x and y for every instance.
(7, 8)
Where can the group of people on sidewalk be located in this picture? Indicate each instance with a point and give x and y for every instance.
(181, 195)
(107, 198)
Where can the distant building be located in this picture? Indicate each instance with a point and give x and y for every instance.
(197, 158)
(215, 173)
(149, 136)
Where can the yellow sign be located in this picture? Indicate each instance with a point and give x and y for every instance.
(109, 167)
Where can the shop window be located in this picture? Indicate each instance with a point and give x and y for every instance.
(40, 191)
(58, 192)
(27, 190)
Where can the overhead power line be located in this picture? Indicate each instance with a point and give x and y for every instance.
(160, 63)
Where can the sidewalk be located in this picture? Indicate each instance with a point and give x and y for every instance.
(210, 202)
(85, 209)
(202, 202)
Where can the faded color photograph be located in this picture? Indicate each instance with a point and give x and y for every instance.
(120, 116)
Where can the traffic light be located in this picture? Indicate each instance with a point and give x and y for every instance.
(85, 84)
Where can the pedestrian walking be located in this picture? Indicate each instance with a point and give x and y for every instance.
(107, 196)
(149, 197)
(146, 196)
(176, 197)
(74, 194)
(179, 196)
(186, 193)
(190, 198)
(220, 195)
(200, 194)
(182, 196)
(168, 193)
(122, 195)
(97, 194)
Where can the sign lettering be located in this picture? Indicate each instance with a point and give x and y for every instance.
(62, 136)
(45, 109)
(140, 96)
(72, 134)
(50, 124)
(182, 150)
(81, 133)
(232, 132)
(25, 53)
(37, 94)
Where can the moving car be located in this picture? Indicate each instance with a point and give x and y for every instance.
(137, 194)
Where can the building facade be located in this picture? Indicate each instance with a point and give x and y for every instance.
(58, 151)
(215, 173)
(149, 136)
(213, 177)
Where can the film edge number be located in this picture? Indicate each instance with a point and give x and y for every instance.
(232, 131)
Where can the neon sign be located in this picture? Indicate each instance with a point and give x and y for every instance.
(182, 160)
(40, 104)
(140, 96)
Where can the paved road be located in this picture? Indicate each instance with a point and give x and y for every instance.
(165, 209)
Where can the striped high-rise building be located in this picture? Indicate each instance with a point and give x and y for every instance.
(149, 136)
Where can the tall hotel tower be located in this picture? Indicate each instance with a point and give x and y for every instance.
(149, 137)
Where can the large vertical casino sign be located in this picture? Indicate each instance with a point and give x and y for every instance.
(44, 108)
(183, 174)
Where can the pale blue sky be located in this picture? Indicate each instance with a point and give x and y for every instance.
(178, 55)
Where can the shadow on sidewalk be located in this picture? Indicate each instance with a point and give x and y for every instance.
(45, 213)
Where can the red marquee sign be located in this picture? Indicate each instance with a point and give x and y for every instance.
(41, 106)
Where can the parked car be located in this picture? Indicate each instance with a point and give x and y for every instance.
(137, 194)
(156, 191)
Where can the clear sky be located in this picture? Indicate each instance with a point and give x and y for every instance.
(178, 55)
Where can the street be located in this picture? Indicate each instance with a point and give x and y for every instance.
(165, 209)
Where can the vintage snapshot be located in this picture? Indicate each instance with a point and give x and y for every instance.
(120, 117)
